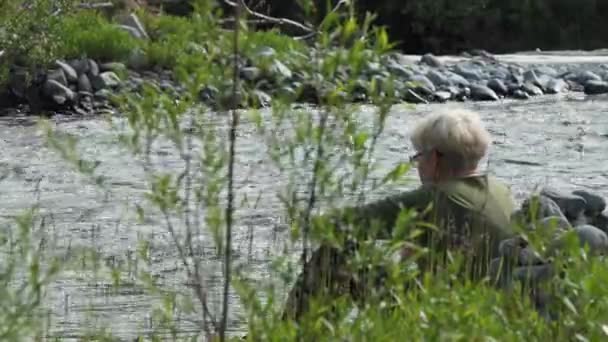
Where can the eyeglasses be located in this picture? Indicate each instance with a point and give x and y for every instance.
(417, 156)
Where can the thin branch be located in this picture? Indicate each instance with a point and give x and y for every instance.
(182, 255)
(231, 162)
(200, 293)
(312, 199)
(268, 19)
(96, 5)
(314, 32)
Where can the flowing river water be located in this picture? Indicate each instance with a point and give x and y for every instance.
(560, 141)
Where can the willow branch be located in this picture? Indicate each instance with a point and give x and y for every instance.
(231, 161)
(268, 19)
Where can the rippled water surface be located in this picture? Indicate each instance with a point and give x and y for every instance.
(560, 141)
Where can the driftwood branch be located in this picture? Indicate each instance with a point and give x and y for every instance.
(269, 19)
(96, 5)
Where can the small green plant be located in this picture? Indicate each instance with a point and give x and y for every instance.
(89, 34)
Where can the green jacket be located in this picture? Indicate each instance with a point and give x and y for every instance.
(470, 214)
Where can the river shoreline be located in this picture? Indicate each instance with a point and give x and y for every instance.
(85, 87)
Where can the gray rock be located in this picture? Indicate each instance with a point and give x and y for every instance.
(438, 78)
(103, 94)
(18, 82)
(411, 96)
(600, 221)
(571, 205)
(84, 84)
(85, 95)
(81, 66)
(498, 86)
(133, 22)
(265, 51)
(399, 70)
(421, 84)
(558, 223)
(510, 248)
(532, 89)
(112, 66)
(58, 76)
(58, 92)
(544, 81)
(528, 256)
(556, 86)
(594, 87)
(280, 69)
(135, 33)
(468, 73)
(595, 203)
(516, 78)
(463, 93)
(573, 86)
(533, 274)
(603, 74)
(105, 80)
(544, 207)
(93, 68)
(442, 96)
(592, 236)
(520, 95)
(457, 79)
(483, 93)
(530, 77)
(70, 74)
(585, 76)
(250, 73)
(545, 70)
(453, 90)
(261, 98)
(430, 60)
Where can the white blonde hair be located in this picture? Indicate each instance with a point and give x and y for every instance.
(455, 132)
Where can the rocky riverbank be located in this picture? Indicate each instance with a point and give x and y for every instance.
(85, 85)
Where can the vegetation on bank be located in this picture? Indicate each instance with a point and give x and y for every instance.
(498, 26)
(329, 156)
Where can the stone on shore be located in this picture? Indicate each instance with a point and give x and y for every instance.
(571, 205)
(595, 87)
(430, 60)
(105, 80)
(498, 86)
(592, 236)
(69, 72)
(58, 92)
(556, 86)
(483, 93)
(595, 204)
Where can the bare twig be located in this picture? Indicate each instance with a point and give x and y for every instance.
(202, 297)
(96, 5)
(268, 19)
(314, 32)
(200, 292)
(320, 156)
(231, 162)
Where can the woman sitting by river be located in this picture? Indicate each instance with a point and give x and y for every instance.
(469, 209)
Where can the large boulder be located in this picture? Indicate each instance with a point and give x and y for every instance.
(483, 93)
(571, 205)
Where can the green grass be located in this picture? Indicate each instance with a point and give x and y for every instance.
(90, 35)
